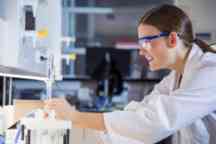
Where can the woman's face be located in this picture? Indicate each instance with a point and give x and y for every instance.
(155, 50)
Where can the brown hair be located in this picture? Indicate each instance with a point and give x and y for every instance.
(169, 18)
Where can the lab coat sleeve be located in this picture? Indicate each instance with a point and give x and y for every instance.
(162, 115)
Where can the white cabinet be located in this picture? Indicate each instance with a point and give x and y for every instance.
(21, 47)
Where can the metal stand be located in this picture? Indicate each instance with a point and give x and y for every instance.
(4, 91)
(10, 91)
(51, 76)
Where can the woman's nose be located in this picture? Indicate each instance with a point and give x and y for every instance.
(142, 51)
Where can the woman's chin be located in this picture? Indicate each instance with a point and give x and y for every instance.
(154, 68)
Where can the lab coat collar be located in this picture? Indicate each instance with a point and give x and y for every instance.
(192, 63)
(194, 57)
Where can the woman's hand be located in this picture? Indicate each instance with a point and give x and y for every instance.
(63, 110)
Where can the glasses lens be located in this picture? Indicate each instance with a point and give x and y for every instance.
(144, 43)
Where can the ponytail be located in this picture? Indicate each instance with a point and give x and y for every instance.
(204, 46)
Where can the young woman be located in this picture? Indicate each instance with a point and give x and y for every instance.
(181, 105)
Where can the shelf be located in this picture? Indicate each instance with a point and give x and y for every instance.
(87, 78)
(19, 73)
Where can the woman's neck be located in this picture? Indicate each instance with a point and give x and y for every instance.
(181, 60)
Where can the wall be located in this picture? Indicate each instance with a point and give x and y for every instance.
(11, 51)
(202, 13)
(2, 9)
(3, 40)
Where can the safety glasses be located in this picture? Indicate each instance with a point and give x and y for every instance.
(145, 41)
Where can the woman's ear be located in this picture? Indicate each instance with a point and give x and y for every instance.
(172, 40)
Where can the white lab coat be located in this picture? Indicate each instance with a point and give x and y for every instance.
(185, 112)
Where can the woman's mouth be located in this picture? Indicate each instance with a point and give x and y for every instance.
(148, 58)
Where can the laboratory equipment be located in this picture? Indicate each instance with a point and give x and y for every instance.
(31, 29)
(40, 127)
(96, 55)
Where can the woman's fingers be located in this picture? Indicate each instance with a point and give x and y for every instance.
(61, 107)
(51, 104)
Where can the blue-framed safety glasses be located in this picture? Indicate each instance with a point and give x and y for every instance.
(143, 41)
